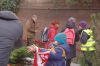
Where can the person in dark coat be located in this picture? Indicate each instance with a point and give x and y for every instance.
(10, 35)
(71, 25)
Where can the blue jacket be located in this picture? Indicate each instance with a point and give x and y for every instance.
(56, 59)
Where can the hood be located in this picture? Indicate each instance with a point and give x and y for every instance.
(54, 27)
(8, 15)
(70, 25)
(61, 38)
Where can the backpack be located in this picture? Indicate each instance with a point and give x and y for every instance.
(44, 34)
(63, 51)
(70, 35)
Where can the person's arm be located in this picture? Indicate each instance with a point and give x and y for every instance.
(52, 34)
(76, 35)
(63, 29)
(28, 26)
(84, 37)
(32, 31)
(19, 41)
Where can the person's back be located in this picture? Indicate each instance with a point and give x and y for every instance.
(72, 37)
(29, 31)
(53, 28)
(10, 34)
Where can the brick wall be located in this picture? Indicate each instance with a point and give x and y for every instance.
(49, 10)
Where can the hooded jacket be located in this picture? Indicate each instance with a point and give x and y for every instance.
(52, 32)
(56, 59)
(10, 35)
(10, 29)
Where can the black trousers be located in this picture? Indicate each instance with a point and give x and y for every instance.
(68, 62)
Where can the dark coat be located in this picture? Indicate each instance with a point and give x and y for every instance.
(10, 35)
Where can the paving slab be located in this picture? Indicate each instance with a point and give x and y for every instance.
(74, 64)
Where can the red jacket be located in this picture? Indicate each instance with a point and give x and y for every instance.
(52, 33)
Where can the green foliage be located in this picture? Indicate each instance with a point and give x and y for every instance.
(10, 5)
(71, 2)
(17, 55)
(95, 19)
(87, 2)
(93, 16)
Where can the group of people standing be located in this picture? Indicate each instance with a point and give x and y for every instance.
(82, 33)
(62, 47)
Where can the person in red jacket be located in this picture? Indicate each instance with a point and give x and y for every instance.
(53, 28)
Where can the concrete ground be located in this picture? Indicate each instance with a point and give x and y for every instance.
(74, 64)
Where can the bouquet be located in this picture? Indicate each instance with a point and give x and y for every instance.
(17, 55)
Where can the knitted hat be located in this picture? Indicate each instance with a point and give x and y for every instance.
(70, 25)
(61, 38)
(83, 24)
(71, 19)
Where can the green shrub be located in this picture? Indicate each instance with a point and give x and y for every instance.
(87, 2)
(10, 5)
(17, 55)
(71, 2)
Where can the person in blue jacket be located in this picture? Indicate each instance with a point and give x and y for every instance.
(10, 35)
(59, 51)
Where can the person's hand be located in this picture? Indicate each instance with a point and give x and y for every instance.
(30, 48)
